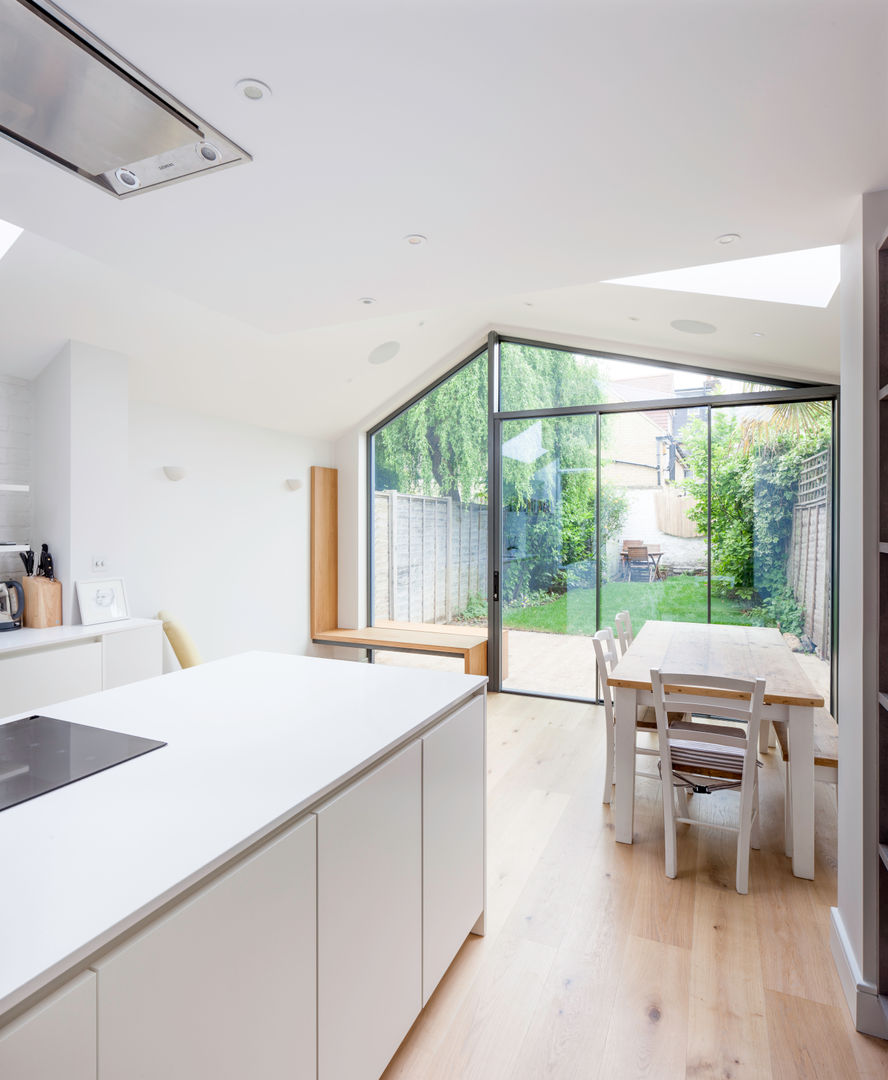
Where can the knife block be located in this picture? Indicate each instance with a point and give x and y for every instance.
(43, 602)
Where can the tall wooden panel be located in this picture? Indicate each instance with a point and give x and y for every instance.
(324, 549)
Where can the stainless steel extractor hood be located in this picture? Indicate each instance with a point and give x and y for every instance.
(68, 97)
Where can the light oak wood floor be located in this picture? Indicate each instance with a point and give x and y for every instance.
(595, 964)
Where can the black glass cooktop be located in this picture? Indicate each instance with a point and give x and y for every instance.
(39, 754)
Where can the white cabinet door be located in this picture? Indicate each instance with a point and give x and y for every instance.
(30, 681)
(453, 786)
(55, 1039)
(223, 986)
(369, 919)
(131, 655)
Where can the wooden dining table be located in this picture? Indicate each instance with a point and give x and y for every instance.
(744, 652)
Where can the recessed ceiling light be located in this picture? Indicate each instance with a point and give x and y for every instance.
(384, 352)
(757, 333)
(691, 326)
(8, 235)
(415, 239)
(367, 300)
(253, 89)
(632, 318)
(727, 238)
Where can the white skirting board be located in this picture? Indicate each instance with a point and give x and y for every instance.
(869, 1010)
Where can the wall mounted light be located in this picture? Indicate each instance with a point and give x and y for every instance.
(293, 483)
(173, 472)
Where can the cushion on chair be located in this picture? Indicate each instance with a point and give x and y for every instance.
(180, 641)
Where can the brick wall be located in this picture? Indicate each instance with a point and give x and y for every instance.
(16, 423)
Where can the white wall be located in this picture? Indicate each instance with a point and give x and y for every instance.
(16, 420)
(855, 919)
(79, 475)
(225, 549)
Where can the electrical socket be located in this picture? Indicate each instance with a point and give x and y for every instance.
(98, 564)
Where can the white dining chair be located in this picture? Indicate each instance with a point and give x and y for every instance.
(702, 757)
(623, 623)
(606, 659)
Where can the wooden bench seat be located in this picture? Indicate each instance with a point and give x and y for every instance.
(826, 745)
(470, 642)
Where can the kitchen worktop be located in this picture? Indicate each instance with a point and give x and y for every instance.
(33, 638)
(253, 741)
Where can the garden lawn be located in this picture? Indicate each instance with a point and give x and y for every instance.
(681, 598)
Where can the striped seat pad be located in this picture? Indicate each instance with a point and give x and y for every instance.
(688, 754)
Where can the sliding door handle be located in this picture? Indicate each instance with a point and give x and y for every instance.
(496, 586)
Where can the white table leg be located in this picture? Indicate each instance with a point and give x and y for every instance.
(801, 793)
(624, 763)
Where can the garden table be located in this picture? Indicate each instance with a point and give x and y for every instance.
(743, 652)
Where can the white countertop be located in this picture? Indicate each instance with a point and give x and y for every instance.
(30, 638)
(252, 742)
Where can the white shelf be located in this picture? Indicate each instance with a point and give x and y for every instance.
(11, 549)
(15, 487)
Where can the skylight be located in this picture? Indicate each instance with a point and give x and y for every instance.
(808, 278)
(8, 236)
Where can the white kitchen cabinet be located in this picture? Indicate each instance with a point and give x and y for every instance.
(453, 857)
(31, 680)
(132, 655)
(55, 1039)
(369, 918)
(222, 986)
(40, 667)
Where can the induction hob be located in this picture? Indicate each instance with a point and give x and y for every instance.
(39, 754)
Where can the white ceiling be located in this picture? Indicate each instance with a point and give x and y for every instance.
(543, 147)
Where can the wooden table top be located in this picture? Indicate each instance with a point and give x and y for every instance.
(741, 652)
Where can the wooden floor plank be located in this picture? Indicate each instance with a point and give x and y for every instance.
(648, 1032)
(809, 1040)
(727, 1030)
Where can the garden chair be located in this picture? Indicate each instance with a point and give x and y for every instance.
(606, 659)
(623, 622)
(703, 757)
(624, 554)
(637, 559)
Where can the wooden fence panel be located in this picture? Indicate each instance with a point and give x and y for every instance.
(809, 570)
(430, 556)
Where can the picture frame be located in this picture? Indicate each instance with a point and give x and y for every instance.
(102, 601)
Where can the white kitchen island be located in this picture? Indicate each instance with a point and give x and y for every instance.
(275, 893)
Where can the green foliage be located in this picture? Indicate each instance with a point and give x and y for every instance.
(754, 487)
(475, 610)
(439, 445)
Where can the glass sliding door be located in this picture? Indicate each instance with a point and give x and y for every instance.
(655, 557)
(549, 554)
(772, 525)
